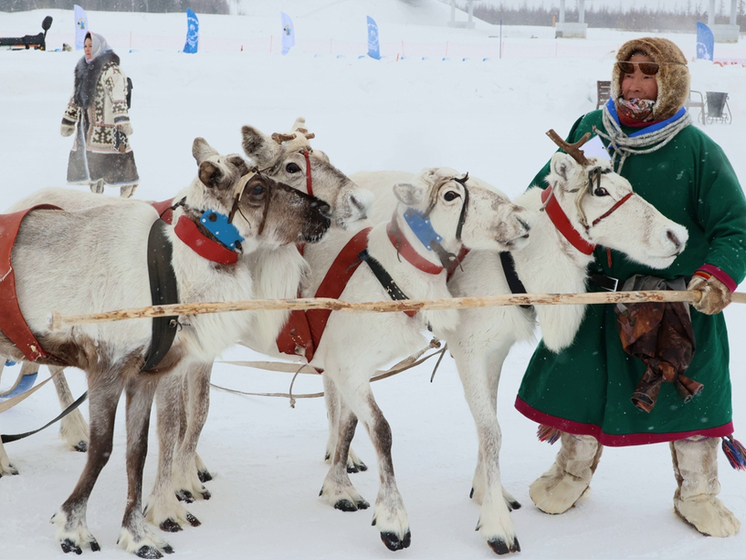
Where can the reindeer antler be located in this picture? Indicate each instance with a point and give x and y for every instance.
(306, 133)
(279, 138)
(572, 149)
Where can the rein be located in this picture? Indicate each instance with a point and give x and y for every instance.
(309, 182)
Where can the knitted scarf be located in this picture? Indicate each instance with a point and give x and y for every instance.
(639, 142)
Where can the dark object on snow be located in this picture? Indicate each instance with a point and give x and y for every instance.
(661, 335)
(29, 41)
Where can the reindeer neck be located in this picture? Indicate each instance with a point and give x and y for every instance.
(188, 229)
(548, 249)
(410, 247)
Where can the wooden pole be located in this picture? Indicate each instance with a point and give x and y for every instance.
(56, 321)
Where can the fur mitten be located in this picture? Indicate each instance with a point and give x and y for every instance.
(127, 128)
(715, 295)
(67, 129)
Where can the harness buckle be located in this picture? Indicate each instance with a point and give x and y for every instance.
(607, 283)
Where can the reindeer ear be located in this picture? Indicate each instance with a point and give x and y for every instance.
(409, 194)
(239, 163)
(259, 147)
(201, 150)
(209, 174)
(564, 166)
(300, 122)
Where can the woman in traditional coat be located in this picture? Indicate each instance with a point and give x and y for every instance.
(101, 154)
(584, 393)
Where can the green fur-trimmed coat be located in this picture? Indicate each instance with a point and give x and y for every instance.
(586, 388)
(97, 108)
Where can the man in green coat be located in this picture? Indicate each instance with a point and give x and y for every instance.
(584, 392)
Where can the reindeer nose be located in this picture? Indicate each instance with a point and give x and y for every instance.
(674, 239)
(324, 208)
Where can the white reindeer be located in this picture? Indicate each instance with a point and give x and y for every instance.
(600, 208)
(183, 402)
(54, 250)
(461, 213)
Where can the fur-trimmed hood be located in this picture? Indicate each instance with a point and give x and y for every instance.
(86, 77)
(672, 77)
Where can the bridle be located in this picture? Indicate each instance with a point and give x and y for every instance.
(420, 224)
(594, 174)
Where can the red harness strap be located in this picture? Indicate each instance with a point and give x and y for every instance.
(563, 224)
(304, 329)
(12, 323)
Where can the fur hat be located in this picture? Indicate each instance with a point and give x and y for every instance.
(672, 77)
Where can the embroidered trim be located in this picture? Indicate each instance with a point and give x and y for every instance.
(606, 439)
(190, 235)
(562, 223)
(719, 274)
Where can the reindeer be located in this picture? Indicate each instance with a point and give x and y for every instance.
(54, 250)
(436, 214)
(586, 204)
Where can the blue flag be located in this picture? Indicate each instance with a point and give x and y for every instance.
(288, 33)
(373, 47)
(81, 26)
(192, 38)
(705, 42)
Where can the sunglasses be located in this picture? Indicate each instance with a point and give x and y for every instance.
(647, 68)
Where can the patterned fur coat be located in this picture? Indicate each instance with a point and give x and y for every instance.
(97, 113)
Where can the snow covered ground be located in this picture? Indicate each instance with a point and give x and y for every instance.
(487, 117)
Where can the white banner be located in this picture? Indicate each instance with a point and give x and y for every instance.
(288, 33)
(81, 26)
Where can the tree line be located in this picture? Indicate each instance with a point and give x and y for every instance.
(156, 6)
(630, 19)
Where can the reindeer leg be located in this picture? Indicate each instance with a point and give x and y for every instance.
(135, 536)
(104, 389)
(331, 398)
(73, 427)
(480, 377)
(337, 487)
(6, 468)
(197, 402)
(163, 508)
(390, 515)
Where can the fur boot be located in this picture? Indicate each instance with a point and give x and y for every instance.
(560, 487)
(696, 470)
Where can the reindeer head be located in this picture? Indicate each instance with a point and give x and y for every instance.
(289, 158)
(262, 210)
(602, 207)
(465, 211)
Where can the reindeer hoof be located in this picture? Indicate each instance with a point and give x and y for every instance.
(392, 541)
(513, 505)
(354, 468)
(206, 495)
(82, 446)
(345, 505)
(69, 546)
(501, 548)
(184, 495)
(148, 552)
(170, 525)
(204, 476)
(193, 520)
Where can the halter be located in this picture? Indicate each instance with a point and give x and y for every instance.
(562, 222)
(309, 182)
(420, 225)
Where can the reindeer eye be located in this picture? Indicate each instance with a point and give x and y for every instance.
(292, 168)
(600, 192)
(451, 195)
(258, 189)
